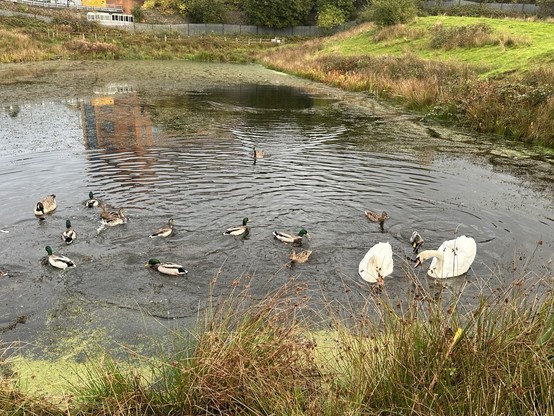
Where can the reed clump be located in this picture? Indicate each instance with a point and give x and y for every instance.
(496, 358)
(397, 32)
(14, 402)
(416, 354)
(18, 47)
(85, 47)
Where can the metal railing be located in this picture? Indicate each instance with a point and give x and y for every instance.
(67, 4)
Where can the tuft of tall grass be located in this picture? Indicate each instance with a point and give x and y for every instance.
(19, 47)
(430, 358)
(253, 359)
(470, 36)
(397, 31)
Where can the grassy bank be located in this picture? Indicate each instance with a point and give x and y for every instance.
(491, 75)
(28, 40)
(427, 355)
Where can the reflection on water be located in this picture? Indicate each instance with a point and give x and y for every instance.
(185, 151)
(115, 119)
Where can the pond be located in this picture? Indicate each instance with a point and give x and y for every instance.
(175, 139)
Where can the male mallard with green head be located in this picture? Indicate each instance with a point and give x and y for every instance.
(171, 269)
(291, 238)
(416, 241)
(69, 235)
(58, 261)
(91, 202)
(165, 231)
(238, 230)
(46, 205)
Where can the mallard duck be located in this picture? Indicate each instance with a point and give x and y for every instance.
(57, 261)
(379, 218)
(291, 238)
(112, 218)
(377, 263)
(165, 231)
(69, 235)
(300, 257)
(238, 230)
(171, 269)
(91, 202)
(416, 241)
(258, 153)
(453, 258)
(46, 206)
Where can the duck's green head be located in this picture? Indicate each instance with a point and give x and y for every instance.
(302, 232)
(67, 224)
(244, 220)
(48, 250)
(152, 262)
(90, 195)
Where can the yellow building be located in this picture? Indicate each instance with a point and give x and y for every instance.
(94, 3)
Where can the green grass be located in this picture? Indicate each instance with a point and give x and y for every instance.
(536, 39)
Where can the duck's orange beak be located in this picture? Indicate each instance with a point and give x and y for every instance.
(417, 262)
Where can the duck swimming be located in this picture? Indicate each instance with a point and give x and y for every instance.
(46, 205)
(112, 218)
(165, 231)
(416, 241)
(91, 202)
(377, 263)
(300, 257)
(58, 261)
(238, 230)
(291, 238)
(259, 153)
(69, 235)
(378, 218)
(170, 269)
(453, 257)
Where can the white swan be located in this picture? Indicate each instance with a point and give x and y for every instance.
(453, 258)
(377, 263)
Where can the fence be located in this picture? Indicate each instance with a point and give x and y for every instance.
(195, 29)
(524, 8)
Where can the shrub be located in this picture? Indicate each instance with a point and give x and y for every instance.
(390, 12)
(138, 14)
(90, 48)
(330, 16)
(206, 11)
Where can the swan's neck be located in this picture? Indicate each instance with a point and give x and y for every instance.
(427, 254)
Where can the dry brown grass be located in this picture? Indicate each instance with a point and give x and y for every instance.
(19, 47)
(472, 36)
(398, 32)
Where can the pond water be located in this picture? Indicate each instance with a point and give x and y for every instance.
(175, 140)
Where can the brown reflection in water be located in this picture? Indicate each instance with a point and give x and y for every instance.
(116, 122)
